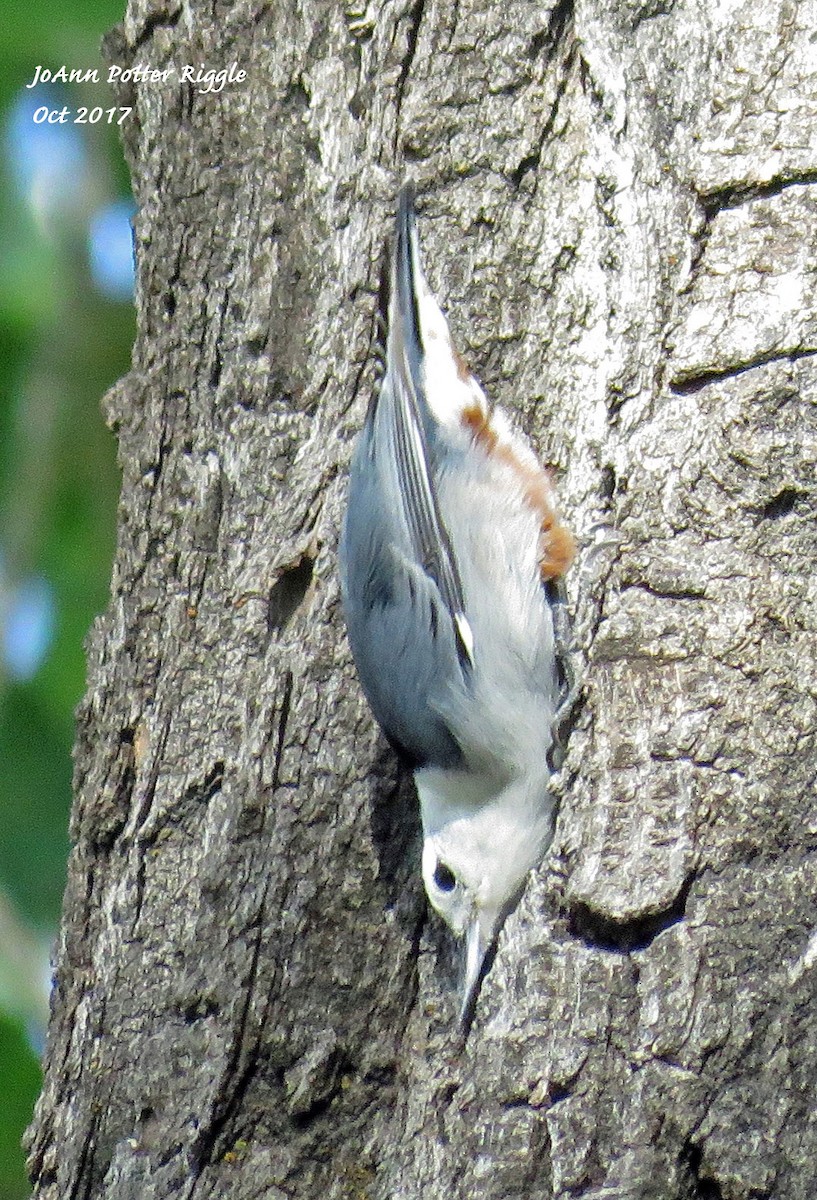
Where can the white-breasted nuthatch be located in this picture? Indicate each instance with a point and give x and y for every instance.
(450, 547)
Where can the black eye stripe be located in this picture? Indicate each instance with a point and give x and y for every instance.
(444, 877)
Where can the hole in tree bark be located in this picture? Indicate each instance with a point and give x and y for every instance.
(624, 937)
(287, 594)
(781, 504)
(704, 1189)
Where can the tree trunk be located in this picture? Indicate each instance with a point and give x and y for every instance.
(617, 209)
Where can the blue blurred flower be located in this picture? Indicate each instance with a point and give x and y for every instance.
(49, 163)
(110, 246)
(28, 628)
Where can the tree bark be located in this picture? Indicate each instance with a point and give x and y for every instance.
(617, 209)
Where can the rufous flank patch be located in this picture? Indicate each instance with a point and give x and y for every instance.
(556, 545)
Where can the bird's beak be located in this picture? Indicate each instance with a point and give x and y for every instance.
(478, 941)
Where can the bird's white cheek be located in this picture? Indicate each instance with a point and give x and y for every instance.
(428, 864)
(452, 910)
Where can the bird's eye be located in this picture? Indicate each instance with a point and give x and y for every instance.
(444, 877)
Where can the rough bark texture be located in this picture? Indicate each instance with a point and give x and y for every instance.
(618, 209)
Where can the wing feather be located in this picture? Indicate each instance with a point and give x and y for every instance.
(429, 538)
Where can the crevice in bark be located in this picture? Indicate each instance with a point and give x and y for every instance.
(531, 161)
(288, 592)
(150, 787)
(218, 342)
(283, 719)
(549, 39)
(215, 369)
(570, 670)
(702, 764)
(599, 931)
(394, 819)
(415, 20)
(169, 18)
(235, 1081)
(142, 839)
(782, 504)
(662, 593)
(700, 234)
(688, 385)
(735, 195)
(157, 467)
(202, 1151)
(588, 84)
(85, 1165)
(561, 91)
(702, 1188)
(104, 833)
(557, 36)
(202, 793)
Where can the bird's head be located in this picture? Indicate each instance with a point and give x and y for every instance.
(474, 870)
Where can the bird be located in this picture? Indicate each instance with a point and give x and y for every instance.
(451, 559)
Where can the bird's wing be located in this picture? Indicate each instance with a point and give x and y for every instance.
(400, 629)
(430, 544)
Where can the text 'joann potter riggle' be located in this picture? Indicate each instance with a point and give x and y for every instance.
(206, 79)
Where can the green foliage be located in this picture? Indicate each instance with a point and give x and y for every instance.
(61, 346)
(21, 1079)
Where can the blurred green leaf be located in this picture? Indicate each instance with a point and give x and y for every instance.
(23, 967)
(21, 1081)
(61, 346)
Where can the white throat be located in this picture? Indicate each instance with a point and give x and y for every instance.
(490, 836)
